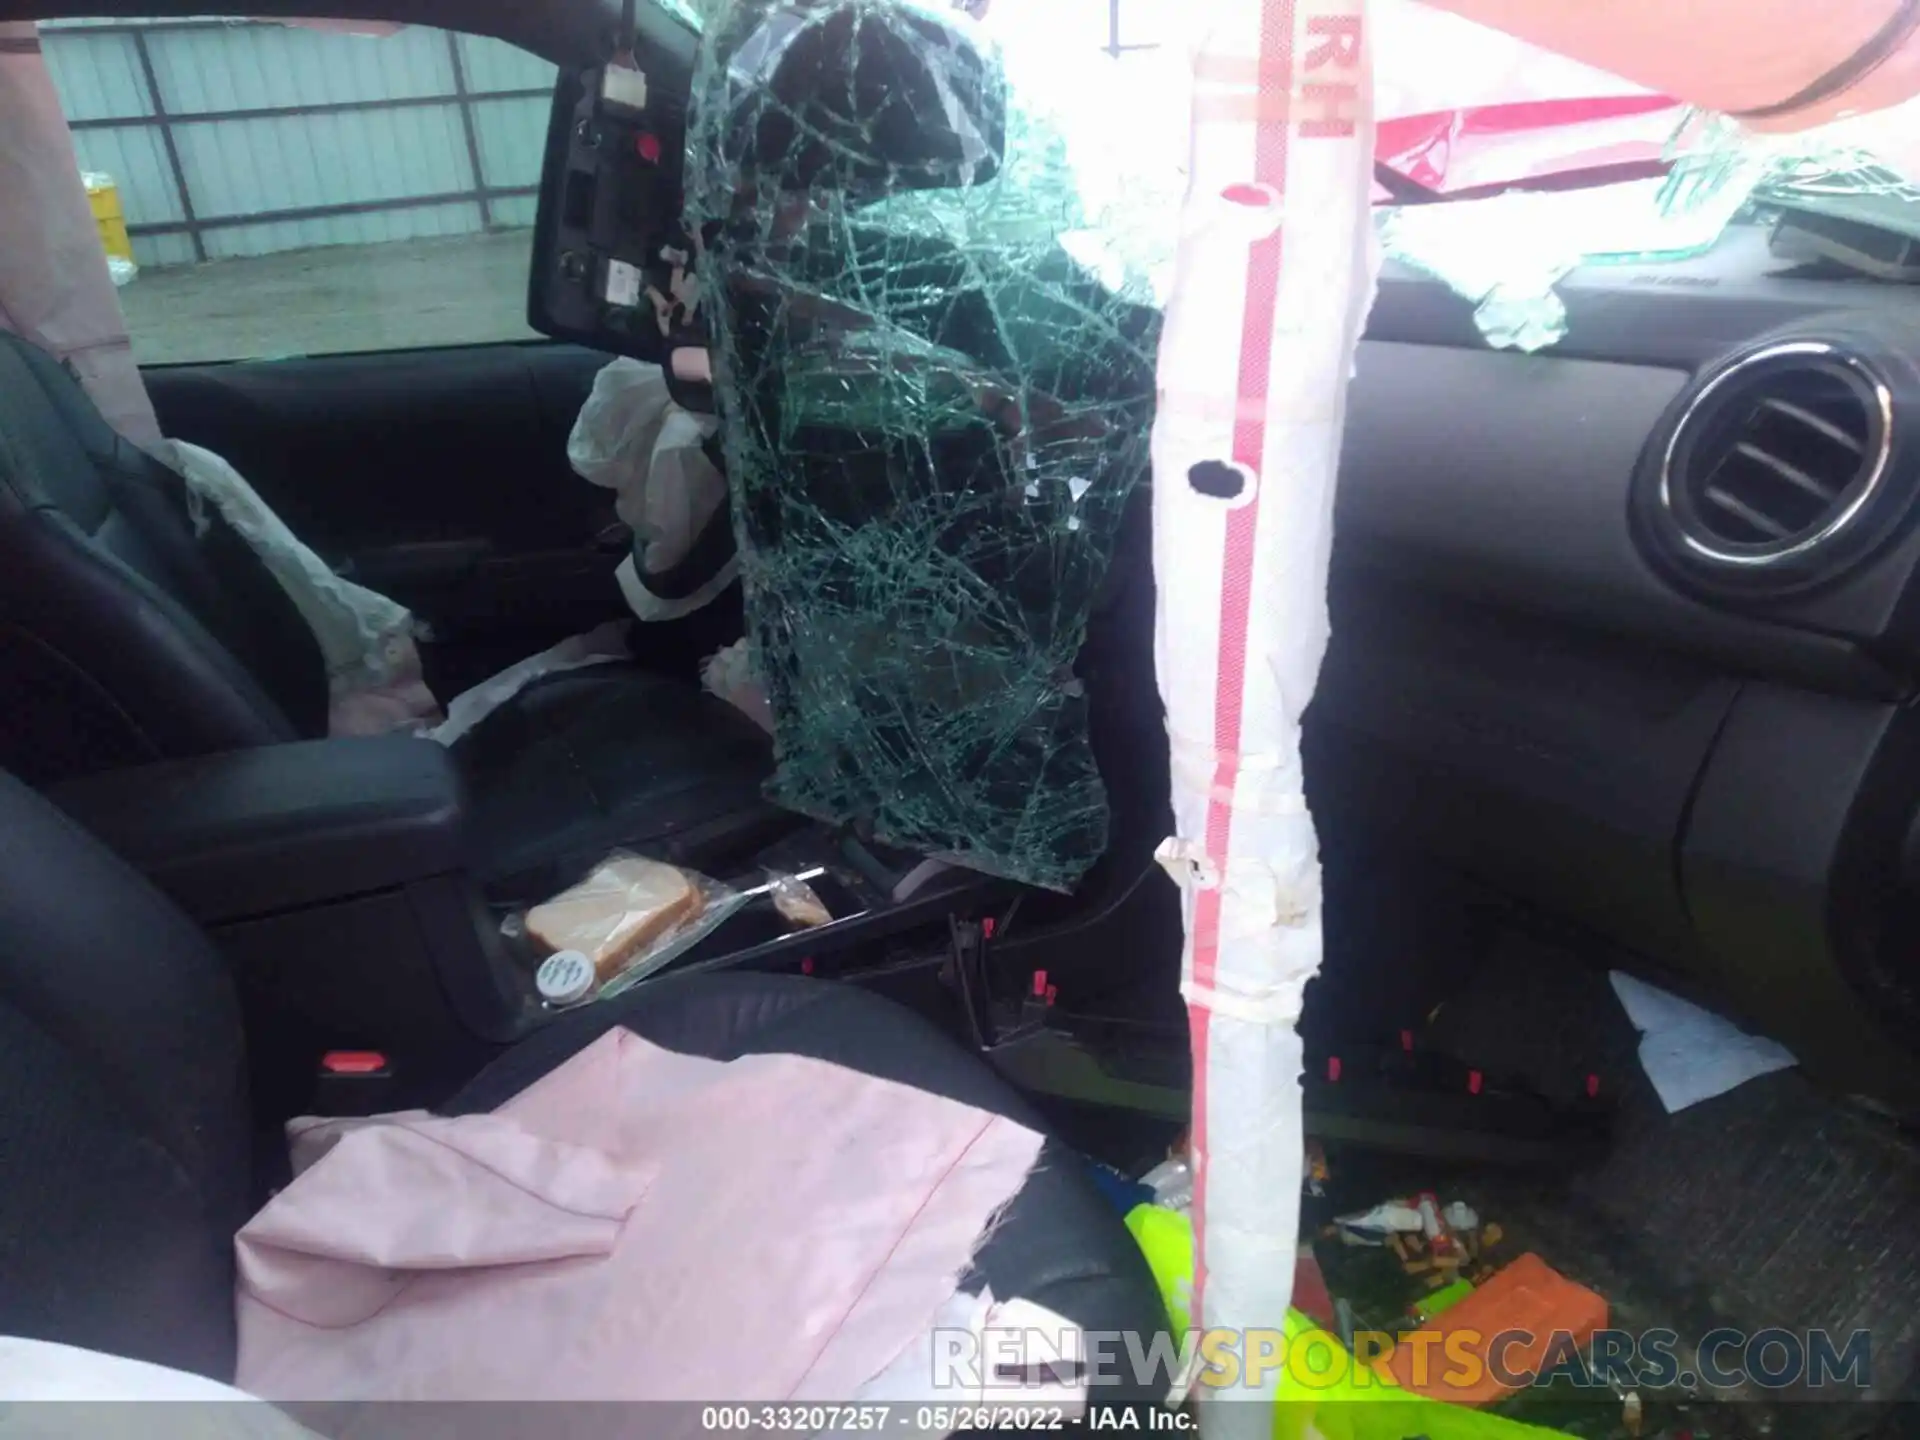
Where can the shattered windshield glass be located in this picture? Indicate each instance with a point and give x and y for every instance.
(1507, 167)
(934, 345)
(1508, 252)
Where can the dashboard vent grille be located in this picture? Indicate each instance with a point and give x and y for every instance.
(1778, 456)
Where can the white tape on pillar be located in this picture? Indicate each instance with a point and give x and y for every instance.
(1275, 276)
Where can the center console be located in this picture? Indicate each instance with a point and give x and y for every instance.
(337, 878)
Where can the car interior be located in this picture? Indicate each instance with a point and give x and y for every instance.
(1626, 636)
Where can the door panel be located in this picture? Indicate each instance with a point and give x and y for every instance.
(438, 477)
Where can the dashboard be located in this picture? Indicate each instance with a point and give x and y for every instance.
(1629, 630)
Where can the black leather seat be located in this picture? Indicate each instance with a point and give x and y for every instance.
(123, 1110)
(132, 630)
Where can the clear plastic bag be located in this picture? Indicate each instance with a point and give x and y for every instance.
(1171, 1182)
(630, 917)
(797, 902)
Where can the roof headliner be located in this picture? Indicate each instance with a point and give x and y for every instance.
(567, 32)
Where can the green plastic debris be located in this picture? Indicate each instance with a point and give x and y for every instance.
(1165, 1237)
(1323, 1391)
(1442, 1300)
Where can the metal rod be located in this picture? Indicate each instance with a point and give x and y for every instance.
(1113, 28)
(328, 107)
(472, 130)
(190, 224)
(805, 876)
(329, 212)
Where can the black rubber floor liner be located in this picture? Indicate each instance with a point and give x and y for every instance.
(1774, 1205)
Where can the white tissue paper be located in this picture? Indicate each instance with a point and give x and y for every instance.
(1691, 1054)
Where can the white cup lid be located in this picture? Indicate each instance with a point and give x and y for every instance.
(565, 978)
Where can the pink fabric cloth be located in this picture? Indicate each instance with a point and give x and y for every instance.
(638, 1225)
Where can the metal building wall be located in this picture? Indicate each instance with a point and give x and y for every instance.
(241, 137)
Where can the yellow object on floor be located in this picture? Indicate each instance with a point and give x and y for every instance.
(1165, 1237)
(104, 198)
(1321, 1395)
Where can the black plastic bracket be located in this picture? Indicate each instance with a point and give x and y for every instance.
(967, 964)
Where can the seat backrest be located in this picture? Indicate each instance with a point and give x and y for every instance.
(131, 627)
(124, 1168)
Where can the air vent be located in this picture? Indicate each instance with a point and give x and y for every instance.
(1777, 462)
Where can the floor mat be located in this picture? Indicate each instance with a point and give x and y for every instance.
(1773, 1205)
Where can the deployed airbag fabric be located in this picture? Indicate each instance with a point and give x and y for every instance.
(374, 677)
(638, 1225)
(633, 439)
(55, 289)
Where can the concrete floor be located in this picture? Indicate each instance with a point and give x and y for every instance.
(405, 294)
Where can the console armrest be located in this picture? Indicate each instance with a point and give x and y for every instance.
(261, 831)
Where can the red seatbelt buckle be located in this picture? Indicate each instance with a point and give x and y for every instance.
(354, 1063)
(353, 1084)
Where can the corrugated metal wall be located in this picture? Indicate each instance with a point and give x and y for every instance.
(241, 138)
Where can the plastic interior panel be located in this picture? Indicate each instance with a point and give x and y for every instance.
(357, 975)
(610, 201)
(1781, 818)
(282, 826)
(1525, 503)
(1555, 763)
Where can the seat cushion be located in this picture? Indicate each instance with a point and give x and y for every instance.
(1061, 1244)
(612, 756)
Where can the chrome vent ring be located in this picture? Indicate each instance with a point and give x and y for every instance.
(1777, 459)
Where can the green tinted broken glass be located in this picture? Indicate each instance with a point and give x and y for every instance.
(933, 419)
